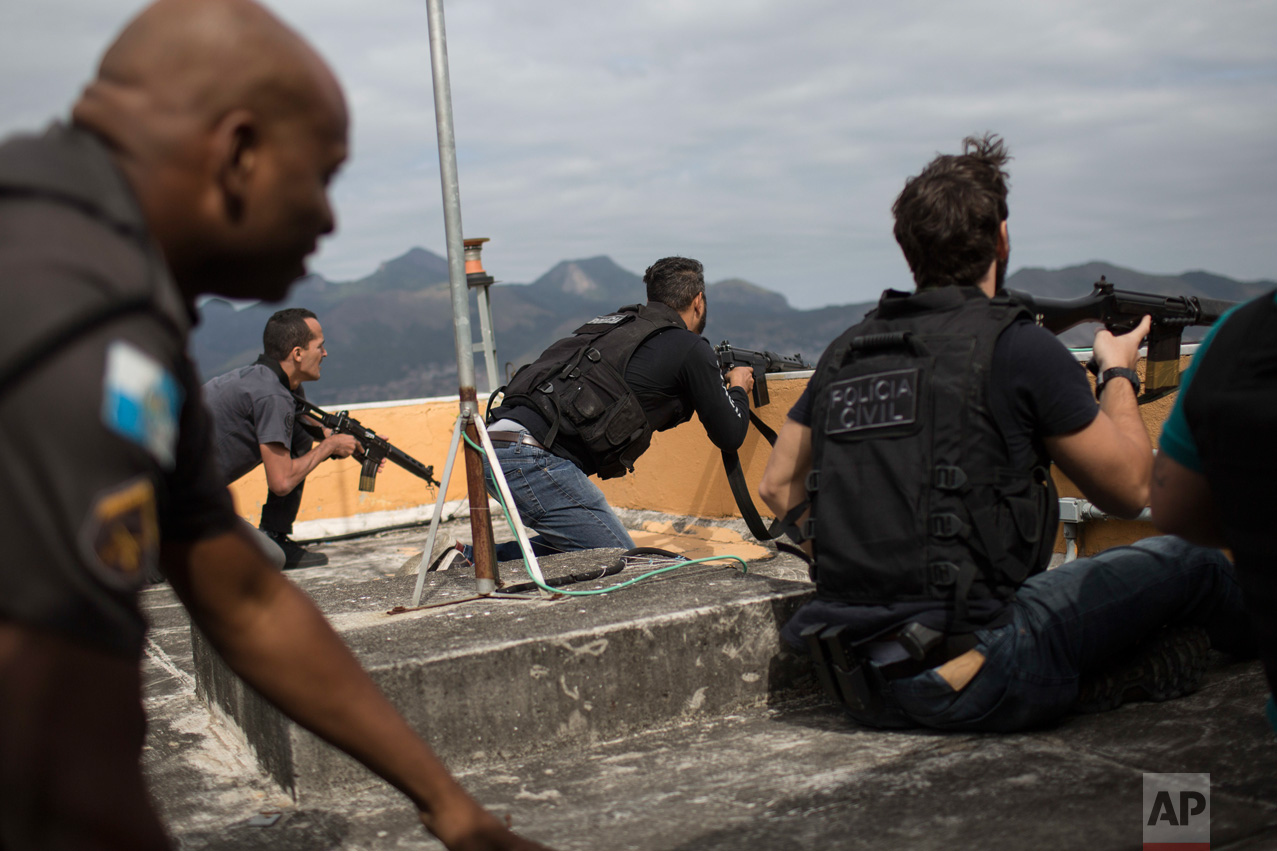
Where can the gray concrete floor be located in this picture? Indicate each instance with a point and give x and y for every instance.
(798, 775)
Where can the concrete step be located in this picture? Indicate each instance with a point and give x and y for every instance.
(774, 774)
(803, 777)
(494, 679)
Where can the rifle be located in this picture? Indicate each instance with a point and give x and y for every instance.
(730, 357)
(1121, 311)
(375, 447)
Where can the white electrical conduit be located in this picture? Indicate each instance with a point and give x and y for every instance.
(1075, 512)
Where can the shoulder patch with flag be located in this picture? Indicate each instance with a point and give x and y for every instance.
(142, 401)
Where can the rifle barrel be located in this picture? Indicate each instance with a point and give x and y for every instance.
(1212, 309)
(412, 465)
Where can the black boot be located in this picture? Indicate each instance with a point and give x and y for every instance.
(295, 555)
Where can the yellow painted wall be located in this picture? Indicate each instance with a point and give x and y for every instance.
(682, 472)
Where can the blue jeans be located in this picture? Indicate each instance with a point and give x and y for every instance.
(557, 500)
(1069, 623)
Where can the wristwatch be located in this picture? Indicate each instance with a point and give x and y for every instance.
(1118, 372)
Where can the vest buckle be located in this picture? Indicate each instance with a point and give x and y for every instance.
(947, 526)
(942, 574)
(948, 478)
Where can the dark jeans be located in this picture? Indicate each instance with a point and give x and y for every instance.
(558, 501)
(1070, 623)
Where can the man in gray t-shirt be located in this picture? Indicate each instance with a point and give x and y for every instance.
(255, 422)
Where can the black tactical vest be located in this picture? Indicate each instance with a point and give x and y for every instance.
(578, 386)
(912, 490)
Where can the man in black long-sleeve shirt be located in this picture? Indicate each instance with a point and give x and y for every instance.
(668, 367)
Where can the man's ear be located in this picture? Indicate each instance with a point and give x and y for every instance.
(1004, 241)
(237, 141)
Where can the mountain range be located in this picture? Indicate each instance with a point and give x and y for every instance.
(390, 335)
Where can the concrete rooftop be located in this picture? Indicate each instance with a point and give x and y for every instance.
(666, 716)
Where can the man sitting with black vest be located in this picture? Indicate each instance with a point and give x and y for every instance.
(923, 446)
(255, 422)
(590, 404)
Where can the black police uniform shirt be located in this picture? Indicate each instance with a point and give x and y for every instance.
(251, 406)
(1037, 390)
(103, 442)
(673, 374)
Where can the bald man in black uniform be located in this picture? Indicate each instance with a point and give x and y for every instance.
(197, 162)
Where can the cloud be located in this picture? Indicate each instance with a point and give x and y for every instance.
(770, 139)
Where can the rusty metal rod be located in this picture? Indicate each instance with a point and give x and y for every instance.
(485, 549)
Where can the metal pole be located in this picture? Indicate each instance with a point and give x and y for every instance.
(480, 521)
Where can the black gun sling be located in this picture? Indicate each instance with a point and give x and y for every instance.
(745, 502)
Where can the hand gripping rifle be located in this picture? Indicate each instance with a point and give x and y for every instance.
(375, 447)
(730, 357)
(1121, 311)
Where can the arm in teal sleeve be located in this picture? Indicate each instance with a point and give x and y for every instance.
(1177, 439)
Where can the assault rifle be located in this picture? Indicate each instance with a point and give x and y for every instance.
(1121, 311)
(730, 357)
(376, 448)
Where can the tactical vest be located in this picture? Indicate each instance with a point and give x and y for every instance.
(578, 386)
(912, 490)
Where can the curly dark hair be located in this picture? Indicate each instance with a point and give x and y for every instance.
(948, 217)
(285, 331)
(674, 281)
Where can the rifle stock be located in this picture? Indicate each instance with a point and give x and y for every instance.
(375, 448)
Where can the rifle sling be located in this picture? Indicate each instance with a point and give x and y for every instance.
(740, 490)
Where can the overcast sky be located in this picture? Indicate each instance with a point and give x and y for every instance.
(768, 138)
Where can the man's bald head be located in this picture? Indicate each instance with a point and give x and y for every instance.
(228, 125)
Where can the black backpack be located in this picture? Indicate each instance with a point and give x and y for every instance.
(578, 387)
